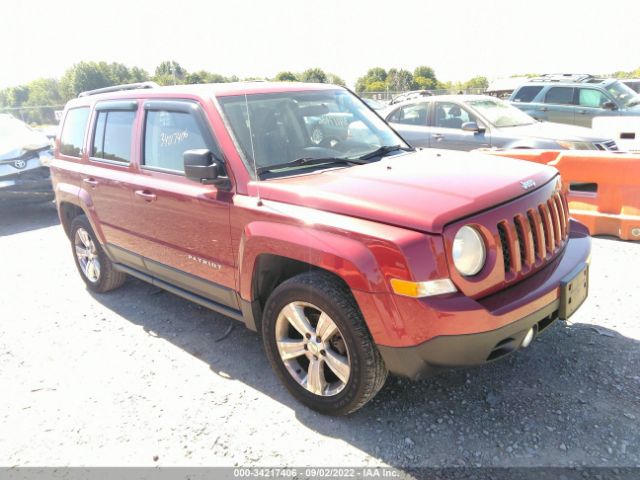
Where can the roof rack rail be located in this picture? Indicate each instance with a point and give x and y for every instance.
(117, 88)
(563, 77)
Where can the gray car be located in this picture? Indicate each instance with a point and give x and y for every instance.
(24, 163)
(575, 99)
(467, 122)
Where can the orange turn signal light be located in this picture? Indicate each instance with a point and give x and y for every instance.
(430, 288)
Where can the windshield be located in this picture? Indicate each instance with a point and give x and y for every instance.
(623, 94)
(500, 113)
(277, 128)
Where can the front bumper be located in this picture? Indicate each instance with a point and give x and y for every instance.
(457, 331)
(451, 351)
(29, 184)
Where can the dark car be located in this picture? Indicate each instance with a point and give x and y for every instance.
(352, 260)
(25, 155)
(575, 99)
(467, 122)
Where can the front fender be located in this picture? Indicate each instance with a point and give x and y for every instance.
(347, 258)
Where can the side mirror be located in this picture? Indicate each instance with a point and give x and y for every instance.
(200, 167)
(472, 127)
(609, 105)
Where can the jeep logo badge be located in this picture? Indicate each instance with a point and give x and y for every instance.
(19, 164)
(527, 184)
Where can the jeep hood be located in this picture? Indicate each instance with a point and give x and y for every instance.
(423, 190)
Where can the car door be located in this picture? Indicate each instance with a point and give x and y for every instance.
(590, 102)
(110, 173)
(559, 105)
(410, 121)
(447, 119)
(183, 226)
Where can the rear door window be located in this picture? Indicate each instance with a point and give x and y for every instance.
(559, 96)
(113, 133)
(527, 94)
(415, 114)
(72, 136)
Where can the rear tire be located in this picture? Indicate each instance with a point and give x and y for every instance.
(94, 266)
(319, 346)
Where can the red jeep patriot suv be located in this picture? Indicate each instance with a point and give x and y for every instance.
(352, 254)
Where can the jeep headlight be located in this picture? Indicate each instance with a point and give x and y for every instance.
(569, 145)
(469, 252)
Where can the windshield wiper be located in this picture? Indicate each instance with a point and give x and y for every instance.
(383, 150)
(308, 161)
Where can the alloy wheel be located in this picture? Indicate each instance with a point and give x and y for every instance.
(87, 255)
(312, 349)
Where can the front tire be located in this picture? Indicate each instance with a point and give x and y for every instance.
(94, 266)
(318, 344)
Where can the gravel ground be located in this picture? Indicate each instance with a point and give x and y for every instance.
(136, 377)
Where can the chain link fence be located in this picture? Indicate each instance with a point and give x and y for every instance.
(38, 115)
(388, 95)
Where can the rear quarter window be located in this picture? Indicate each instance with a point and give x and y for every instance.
(559, 96)
(73, 130)
(527, 94)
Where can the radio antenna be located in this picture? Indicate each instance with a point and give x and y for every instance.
(253, 150)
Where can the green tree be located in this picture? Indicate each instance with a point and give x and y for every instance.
(334, 79)
(202, 76)
(43, 92)
(526, 75)
(121, 74)
(17, 96)
(424, 78)
(399, 80)
(374, 78)
(376, 86)
(137, 74)
(376, 74)
(314, 75)
(169, 72)
(476, 82)
(85, 76)
(622, 74)
(286, 77)
(424, 71)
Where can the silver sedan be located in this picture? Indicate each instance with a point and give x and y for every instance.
(467, 122)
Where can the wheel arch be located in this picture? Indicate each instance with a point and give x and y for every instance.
(73, 201)
(271, 254)
(67, 212)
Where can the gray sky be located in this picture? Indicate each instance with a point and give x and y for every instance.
(459, 39)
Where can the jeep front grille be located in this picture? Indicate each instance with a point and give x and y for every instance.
(530, 237)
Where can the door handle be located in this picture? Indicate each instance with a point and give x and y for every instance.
(582, 111)
(146, 195)
(543, 109)
(438, 136)
(90, 181)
